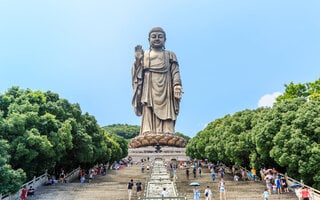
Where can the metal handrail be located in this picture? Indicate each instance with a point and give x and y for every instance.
(36, 182)
(314, 192)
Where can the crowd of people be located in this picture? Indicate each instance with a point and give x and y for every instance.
(196, 167)
(275, 183)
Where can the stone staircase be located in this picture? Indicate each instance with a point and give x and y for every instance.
(236, 190)
(113, 186)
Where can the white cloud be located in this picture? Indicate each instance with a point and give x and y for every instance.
(268, 99)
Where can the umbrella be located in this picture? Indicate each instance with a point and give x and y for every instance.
(269, 170)
(296, 185)
(194, 184)
(269, 176)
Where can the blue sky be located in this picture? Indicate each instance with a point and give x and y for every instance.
(233, 54)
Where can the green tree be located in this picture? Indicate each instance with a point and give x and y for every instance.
(124, 130)
(310, 90)
(11, 180)
(45, 131)
(295, 145)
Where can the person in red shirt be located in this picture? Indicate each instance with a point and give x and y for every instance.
(305, 194)
(24, 192)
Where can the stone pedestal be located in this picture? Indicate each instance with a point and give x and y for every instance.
(162, 139)
(167, 153)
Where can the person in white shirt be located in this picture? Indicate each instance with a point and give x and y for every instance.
(164, 192)
(207, 193)
(222, 189)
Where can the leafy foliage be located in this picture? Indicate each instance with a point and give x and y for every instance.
(11, 179)
(286, 136)
(40, 130)
(124, 130)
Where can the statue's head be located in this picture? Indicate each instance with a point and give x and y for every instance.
(157, 29)
(157, 38)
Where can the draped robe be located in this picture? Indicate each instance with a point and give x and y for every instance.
(153, 85)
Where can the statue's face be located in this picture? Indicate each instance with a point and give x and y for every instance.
(157, 40)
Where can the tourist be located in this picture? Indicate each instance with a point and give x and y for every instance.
(269, 176)
(91, 172)
(62, 176)
(243, 174)
(165, 192)
(221, 172)
(297, 191)
(139, 188)
(194, 171)
(187, 173)
(52, 180)
(130, 186)
(266, 194)
(274, 188)
(213, 174)
(268, 184)
(305, 194)
(199, 170)
(80, 174)
(31, 191)
(24, 193)
(222, 189)
(254, 173)
(284, 185)
(262, 173)
(196, 194)
(236, 178)
(175, 177)
(278, 184)
(83, 179)
(208, 193)
(233, 170)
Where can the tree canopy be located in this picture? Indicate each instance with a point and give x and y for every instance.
(286, 136)
(124, 130)
(40, 131)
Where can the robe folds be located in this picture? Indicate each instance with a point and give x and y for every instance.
(153, 84)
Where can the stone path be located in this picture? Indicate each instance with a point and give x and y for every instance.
(113, 186)
(159, 179)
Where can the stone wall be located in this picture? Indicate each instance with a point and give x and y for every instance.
(167, 153)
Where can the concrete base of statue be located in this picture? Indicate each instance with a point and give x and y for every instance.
(167, 153)
(162, 139)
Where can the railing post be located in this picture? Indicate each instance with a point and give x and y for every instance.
(34, 181)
